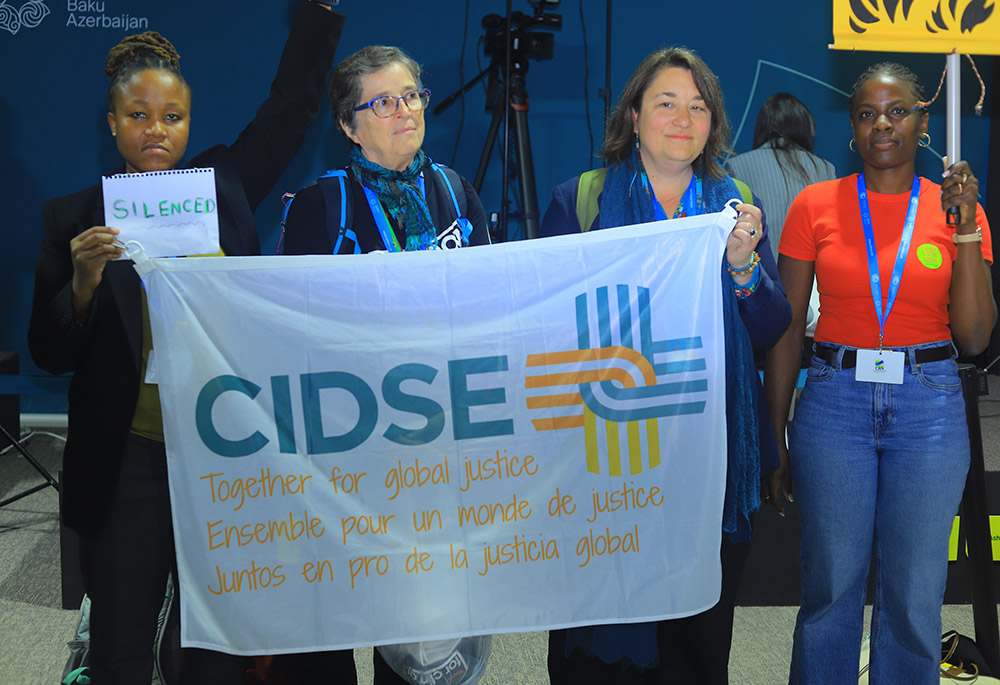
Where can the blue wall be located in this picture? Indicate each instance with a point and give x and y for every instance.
(52, 90)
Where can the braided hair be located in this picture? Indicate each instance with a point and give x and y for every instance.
(148, 50)
(894, 70)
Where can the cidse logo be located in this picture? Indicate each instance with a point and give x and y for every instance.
(29, 15)
(615, 380)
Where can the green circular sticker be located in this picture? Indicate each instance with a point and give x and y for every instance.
(929, 255)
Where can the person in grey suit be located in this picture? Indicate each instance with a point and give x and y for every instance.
(782, 162)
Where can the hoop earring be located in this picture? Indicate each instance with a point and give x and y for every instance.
(924, 140)
(850, 146)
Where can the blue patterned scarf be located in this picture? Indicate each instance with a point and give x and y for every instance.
(626, 201)
(399, 193)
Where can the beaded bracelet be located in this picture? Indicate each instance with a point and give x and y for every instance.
(754, 261)
(745, 291)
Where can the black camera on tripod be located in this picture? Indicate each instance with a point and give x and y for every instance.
(524, 42)
(512, 40)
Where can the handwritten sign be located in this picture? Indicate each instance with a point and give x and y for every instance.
(397, 447)
(170, 213)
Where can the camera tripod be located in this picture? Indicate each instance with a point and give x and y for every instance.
(507, 97)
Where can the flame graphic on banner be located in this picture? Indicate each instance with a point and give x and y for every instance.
(867, 12)
(974, 14)
(969, 27)
(947, 16)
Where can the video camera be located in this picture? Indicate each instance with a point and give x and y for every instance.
(524, 42)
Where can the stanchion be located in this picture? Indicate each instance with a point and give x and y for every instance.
(976, 521)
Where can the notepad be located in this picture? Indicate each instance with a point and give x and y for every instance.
(170, 213)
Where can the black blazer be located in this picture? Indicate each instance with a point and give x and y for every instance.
(105, 352)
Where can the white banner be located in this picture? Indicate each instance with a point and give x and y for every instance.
(396, 447)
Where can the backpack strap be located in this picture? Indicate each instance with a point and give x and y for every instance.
(450, 184)
(744, 189)
(339, 211)
(588, 189)
(459, 202)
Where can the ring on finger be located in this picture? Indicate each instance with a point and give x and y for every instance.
(753, 231)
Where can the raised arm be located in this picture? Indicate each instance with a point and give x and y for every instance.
(271, 140)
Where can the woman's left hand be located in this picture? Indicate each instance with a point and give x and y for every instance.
(743, 239)
(961, 189)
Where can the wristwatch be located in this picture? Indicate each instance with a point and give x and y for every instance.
(976, 237)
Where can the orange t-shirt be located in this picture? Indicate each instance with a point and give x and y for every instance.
(824, 226)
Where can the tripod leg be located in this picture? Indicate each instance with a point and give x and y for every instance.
(491, 138)
(34, 462)
(525, 166)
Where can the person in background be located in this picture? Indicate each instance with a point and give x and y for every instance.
(89, 317)
(780, 165)
(781, 162)
(661, 149)
(390, 197)
(879, 447)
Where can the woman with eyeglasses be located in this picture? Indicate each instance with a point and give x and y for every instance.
(390, 196)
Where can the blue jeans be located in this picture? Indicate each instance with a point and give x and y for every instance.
(883, 464)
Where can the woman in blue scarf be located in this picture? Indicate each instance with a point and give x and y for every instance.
(390, 197)
(661, 148)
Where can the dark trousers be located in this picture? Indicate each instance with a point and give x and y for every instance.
(125, 568)
(694, 649)
(328, 667)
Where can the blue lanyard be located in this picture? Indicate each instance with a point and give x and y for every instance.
(904, 249)
(381, 218)
(690, 205)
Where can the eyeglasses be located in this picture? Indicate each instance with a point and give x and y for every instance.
(384, 106)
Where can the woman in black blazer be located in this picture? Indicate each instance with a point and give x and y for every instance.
(89, 317)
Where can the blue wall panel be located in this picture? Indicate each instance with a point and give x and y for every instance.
(52, 92)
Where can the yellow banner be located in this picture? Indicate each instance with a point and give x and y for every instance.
(941, 26)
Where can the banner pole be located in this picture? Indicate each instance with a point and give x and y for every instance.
(953, 63)
(953, 94)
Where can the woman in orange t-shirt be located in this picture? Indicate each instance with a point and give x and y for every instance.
(879, 446)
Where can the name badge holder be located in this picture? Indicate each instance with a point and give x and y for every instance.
(691, 204)
(879, 365)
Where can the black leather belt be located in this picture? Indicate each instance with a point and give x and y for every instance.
(850, 360)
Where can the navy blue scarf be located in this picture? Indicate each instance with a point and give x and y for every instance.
(625, 200)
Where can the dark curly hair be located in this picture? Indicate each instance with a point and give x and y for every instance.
(148, 50)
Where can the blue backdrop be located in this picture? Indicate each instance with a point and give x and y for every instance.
(52, 100)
